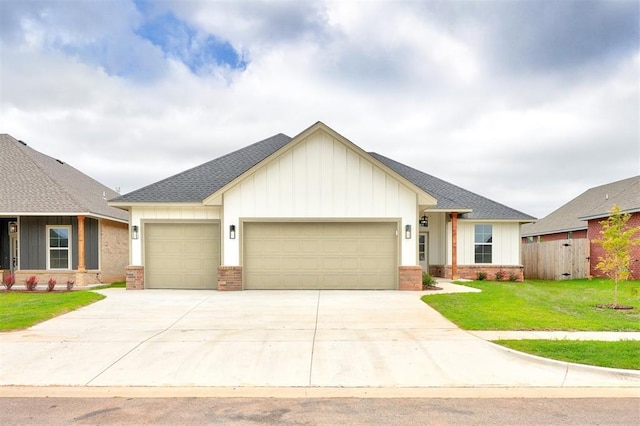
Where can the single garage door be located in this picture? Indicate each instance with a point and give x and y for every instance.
(182, 255)
(327, 255)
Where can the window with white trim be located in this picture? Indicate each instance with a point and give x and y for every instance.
(58, 247)
(483, 241)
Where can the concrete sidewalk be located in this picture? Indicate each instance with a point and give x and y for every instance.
(284, 339)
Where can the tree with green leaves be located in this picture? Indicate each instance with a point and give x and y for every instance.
(617, 240)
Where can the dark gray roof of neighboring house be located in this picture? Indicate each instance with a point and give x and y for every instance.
(453, 197)
(196, 184)
(595, 202)
(34, 183)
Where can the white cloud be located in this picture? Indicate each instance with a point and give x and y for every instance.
(407, 81)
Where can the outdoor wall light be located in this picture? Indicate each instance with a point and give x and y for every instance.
(424, 221)
(135, 232)
(13, 227)
(232, 232)
(407, 232)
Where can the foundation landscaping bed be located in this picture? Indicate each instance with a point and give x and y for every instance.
(570, 305)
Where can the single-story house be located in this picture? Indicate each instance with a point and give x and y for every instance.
(55, 221)
(313, 211)
(581, 217)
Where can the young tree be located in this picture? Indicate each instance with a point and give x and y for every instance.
(617, 239)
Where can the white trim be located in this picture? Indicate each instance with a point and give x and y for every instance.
(70, 248)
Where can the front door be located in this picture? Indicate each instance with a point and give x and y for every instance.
(423, 251)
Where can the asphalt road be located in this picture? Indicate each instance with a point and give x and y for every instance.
(319, 411)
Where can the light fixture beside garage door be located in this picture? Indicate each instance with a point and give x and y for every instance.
(232, 232)
(135, 233)
(407, 232)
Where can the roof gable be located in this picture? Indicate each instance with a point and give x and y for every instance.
(34, 183)
(306, 135)
(593, 203)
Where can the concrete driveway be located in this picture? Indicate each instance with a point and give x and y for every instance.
(272, 339)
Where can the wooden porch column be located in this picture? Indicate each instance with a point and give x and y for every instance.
(454, 245)
(81, 261)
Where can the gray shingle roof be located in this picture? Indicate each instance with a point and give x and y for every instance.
(594, 202)
(453, 197)
(34, 183)
(198, 183)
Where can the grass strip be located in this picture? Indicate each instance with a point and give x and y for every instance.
(20, 310)
(620, 354)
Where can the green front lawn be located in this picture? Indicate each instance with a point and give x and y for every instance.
(541, 305)
(551, 305)
(622, 354)
(23, 309)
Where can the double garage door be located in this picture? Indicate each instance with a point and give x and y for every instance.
(276, 255)
(182, 255)
(326, 255)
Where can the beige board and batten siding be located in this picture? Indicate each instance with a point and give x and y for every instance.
(320, 255)
(505, 244)
(182, 255)
(321, 177)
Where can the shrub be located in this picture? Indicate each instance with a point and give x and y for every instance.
(481, 276)
(70, 284)
(500, 275)
(9, 281)
(51, 284)
(32, 283)
(513, 277)
(427, 281)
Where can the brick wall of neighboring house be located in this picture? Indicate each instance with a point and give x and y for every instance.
(581, 233)
(230, 278)
(470, 272)
(114, 250)
(410, 278)
(597, 252)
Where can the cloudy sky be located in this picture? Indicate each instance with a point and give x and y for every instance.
(528, 103)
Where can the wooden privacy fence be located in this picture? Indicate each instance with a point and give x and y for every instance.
(556, 260)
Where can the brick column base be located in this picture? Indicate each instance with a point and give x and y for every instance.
(410, 278)
(229, 278)
(135, 277)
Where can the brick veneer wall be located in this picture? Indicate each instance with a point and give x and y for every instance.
(470, 272)
(580, 233)
(229, 278)
(114, 250)
(410, 278)
(597, 252)
(135, 277)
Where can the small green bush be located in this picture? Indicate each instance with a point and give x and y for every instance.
(500, 275)
(481, 276)
(513, 277)
(427, 281)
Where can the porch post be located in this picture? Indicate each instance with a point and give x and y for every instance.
(81, 261)
(454, 245)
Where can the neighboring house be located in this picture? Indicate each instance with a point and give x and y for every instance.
(581, 217)
(313, 211)
(55, 221)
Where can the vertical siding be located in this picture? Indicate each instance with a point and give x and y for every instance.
(506, 243)
(33, 240)
(91, 244)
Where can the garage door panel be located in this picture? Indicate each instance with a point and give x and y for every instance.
(320, 255)
(182, 255)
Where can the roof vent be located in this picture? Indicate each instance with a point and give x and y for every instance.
(606, 196)
(59, 161)
(22, 142)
